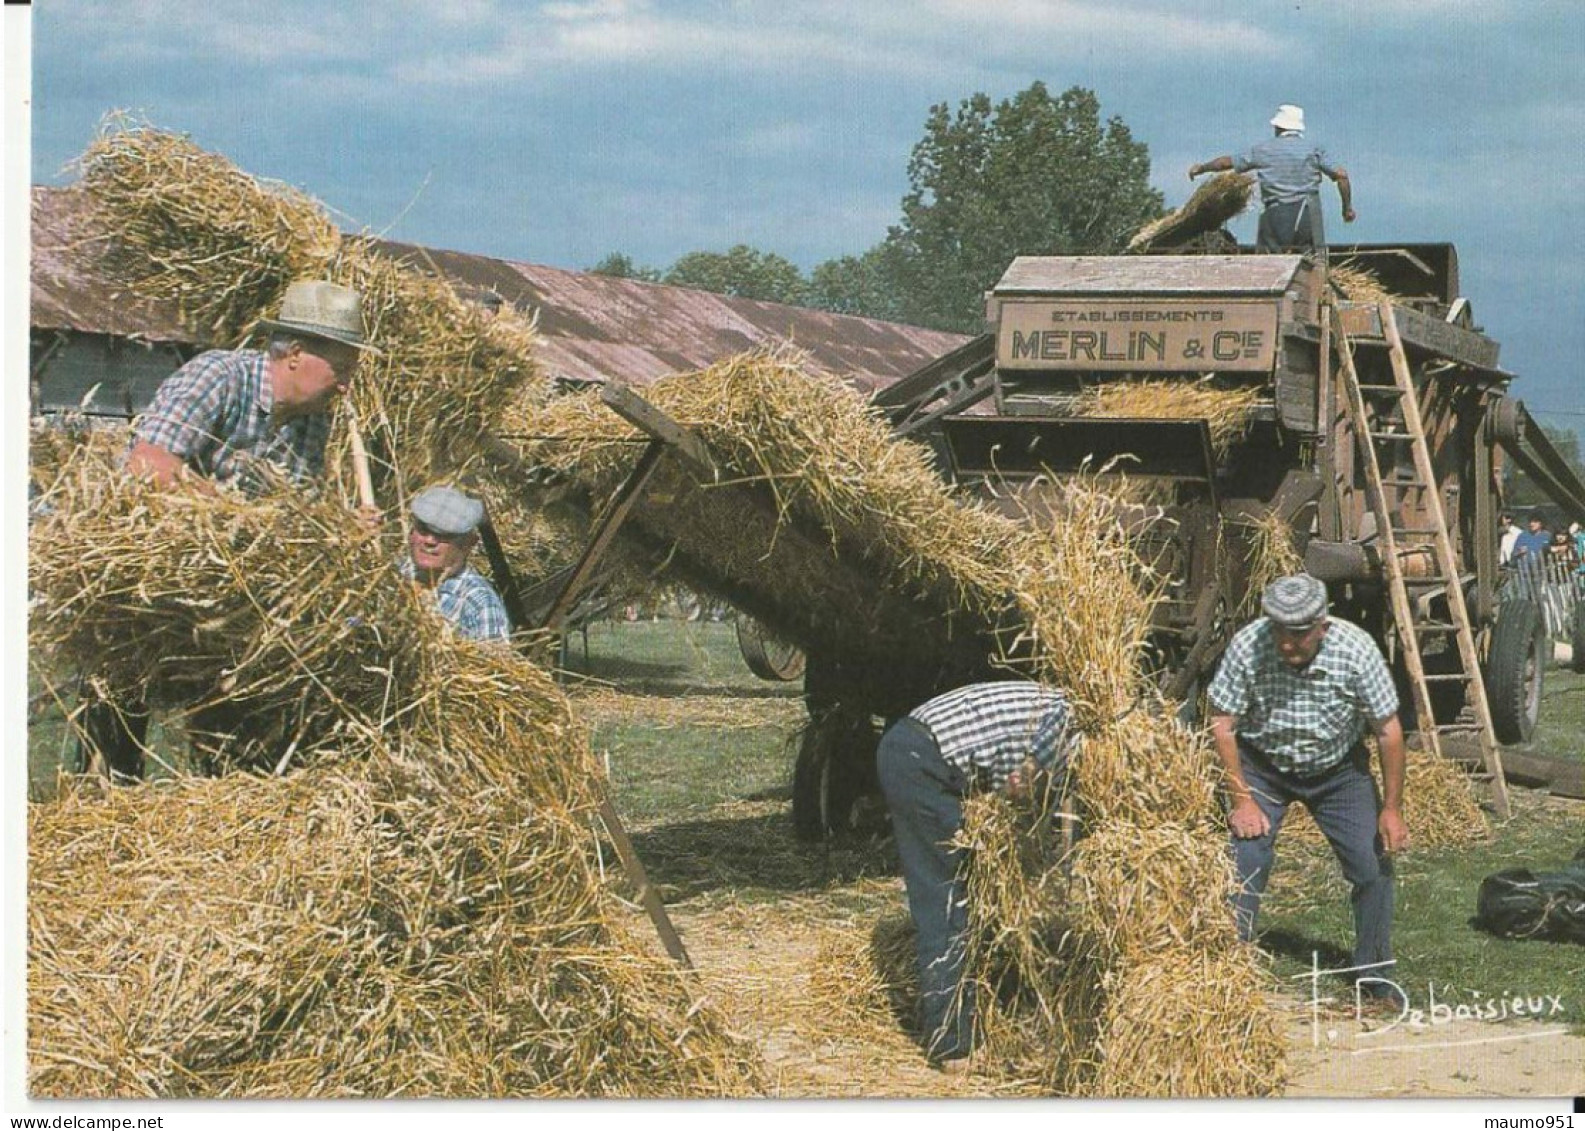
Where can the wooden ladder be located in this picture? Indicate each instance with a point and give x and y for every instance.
(1398, 541)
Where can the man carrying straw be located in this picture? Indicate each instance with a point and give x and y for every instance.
(238, 419)
(1289, 705)
(1289, 169)
(986, 736)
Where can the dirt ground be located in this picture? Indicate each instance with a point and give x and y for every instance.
(783, 972)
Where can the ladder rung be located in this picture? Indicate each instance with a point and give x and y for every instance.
(1426, 579)
(1435, 626)
(1456, 728)
(1381, 390)
(1404, 484)
(1391, 436)
(1446, 677)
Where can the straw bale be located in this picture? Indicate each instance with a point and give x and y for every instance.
(1190, 1023)
(1146, 889)
(1212, 204)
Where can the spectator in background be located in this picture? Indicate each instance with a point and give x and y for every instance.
(1509, 532)
(1530, 549)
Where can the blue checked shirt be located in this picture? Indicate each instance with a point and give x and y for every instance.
(214, 414)
(1304, 721)
(469, 602)
(986, 730)
(1288, 167)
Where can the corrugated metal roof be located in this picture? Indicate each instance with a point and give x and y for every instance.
(593, 327)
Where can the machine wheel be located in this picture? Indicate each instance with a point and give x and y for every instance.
(834, 775)
(767, 656)
(1514, 669)
(1577, 636)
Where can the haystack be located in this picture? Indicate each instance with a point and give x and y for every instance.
(413, 908)
(1069, 602)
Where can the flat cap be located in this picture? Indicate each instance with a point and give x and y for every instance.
(447, 510)
(1297, 601)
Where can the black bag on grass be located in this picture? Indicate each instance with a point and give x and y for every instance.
(1519, 903)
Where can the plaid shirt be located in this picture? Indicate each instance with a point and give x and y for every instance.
(214, 414)
(469, 602)
(986, 730)
(1304, 721)
(1289, 168)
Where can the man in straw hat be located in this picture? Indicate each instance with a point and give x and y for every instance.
(238, 418)
(445, 530)
(986, 736)
(227, 413)
(1290, 704)
(1289, 169)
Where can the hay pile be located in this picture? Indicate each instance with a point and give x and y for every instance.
(1212, 204)
(1070, 603)
(414, 910)
(414, 907)
(1226, 409)
(1356, 284)
(191, 228)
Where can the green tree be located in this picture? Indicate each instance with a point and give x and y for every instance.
(1031, 175)
(621, 266)
(865, 285)
(742, 271)
(1520, 491)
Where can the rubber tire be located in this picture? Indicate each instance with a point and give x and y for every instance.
(768, 656)
(1517, 641)
(1577, 636)
(835, 769)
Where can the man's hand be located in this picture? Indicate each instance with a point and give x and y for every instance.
(1348, 215)
(370, 518)
(1020, 783)
(1394, 833)
(1195, 171)
(1248, 820)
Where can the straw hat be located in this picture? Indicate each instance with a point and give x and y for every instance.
(1289, 118)
(322, 309)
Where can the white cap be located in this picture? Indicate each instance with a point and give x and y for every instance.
(1289, 118)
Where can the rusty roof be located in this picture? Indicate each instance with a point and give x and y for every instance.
(592, 327)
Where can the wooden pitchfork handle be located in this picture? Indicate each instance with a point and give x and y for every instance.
(360, 463)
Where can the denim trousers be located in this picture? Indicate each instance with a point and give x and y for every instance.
(925, 796)
(1345, 804)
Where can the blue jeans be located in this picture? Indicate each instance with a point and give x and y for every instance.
(1345, 804)
(925, 797)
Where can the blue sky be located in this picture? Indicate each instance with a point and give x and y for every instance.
(556, 132)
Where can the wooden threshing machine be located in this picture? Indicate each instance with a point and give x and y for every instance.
(1375, 437)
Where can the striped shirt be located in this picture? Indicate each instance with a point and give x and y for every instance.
(469, 602)
(986, 730)
(214, 414)
(1304, 720)
(1288, 167)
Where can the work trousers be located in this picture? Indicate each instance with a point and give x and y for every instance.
(925, 796)
(1291, 227)
(1346, 805)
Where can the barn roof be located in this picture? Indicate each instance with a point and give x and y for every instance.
(592, 327)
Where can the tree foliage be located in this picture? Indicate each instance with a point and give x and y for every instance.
(621, 266)
(1520, 492)
(742, 271)
(1031, 175)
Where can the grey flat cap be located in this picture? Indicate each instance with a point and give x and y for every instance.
(447, 510)
(1298, 601)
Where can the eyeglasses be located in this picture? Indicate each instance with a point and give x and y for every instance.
(430, 532)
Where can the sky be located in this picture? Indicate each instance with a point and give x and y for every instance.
(557, 132)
